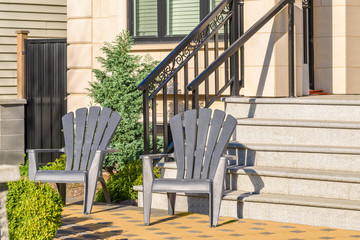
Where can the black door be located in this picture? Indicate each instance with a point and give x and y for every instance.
(45, 92)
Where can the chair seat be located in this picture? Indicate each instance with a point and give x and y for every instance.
(182, 185)
(61, 176)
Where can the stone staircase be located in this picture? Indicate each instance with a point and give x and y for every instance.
(298, 162)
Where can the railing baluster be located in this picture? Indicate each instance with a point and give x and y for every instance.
(146, 121)
(165, 123)
(154, 126)
(242, 53)
(226, 45)
(206, 64)
(176, 99)
(234, 60)
(195, 99)
(186, 82)
(216, 55)
(291, 49)
(195, 93)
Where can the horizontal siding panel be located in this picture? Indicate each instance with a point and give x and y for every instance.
(37, 2)
(8, 57)
(35, 33)
(32, 25)
(32, 16)
(8, 73)
(8, 96)
(8, 82)
(8, 90)
(32, 8)
(8, 40)
(8, 48)
(8, 65)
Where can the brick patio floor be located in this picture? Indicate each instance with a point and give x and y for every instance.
(126, 222)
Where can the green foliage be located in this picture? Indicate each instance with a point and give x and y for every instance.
(58, 164)
(34, 210)
(121, 185)
(116, 88)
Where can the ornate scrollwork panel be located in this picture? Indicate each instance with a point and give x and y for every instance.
(191, 47)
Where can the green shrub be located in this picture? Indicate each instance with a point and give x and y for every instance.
(58, 164)
(115, 88)
(34, 210)
(121, 185)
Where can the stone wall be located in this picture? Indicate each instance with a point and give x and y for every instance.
(12, 141)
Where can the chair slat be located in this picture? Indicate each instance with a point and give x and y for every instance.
(203, 127)
(215, 128)
(68, 126)
(89, 135)
(102, 123)
(110, 130)
(227, 129)
(190, 139)
(178, 139)
(80, 122)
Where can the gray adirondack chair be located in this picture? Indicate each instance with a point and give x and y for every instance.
(87, 138)
(199, 147)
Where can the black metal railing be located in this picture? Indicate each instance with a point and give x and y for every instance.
(173, 73)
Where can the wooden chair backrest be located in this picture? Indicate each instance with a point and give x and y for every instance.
(91, 130)
(199, 141)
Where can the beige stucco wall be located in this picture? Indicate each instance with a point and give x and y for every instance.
(92, 22)
(336, 44)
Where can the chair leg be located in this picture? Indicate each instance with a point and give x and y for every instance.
(216, 201)
(85, 197)
(147, 195)
(105, 190)
(171, 203)
(91, 189)
(62, 191)
(211, 208)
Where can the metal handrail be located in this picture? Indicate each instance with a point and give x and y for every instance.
(183, 44)
(240, 42)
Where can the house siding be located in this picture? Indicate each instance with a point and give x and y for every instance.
(44, 19)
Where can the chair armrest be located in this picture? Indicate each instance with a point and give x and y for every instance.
(44, 150)
(157, 157)
(33, 160)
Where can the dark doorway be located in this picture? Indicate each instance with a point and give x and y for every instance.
(45, 92)
(308, 24)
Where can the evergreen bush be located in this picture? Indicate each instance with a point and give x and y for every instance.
(115, 88)
(34, 210)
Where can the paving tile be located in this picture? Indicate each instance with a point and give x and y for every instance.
(119, 223)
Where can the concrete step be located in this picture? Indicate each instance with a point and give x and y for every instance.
(335, 108)
(301, 182)
(332, 213)
(328, 158)
(305, 132)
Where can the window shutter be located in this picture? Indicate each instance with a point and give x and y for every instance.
(145, 18)
(182, 16)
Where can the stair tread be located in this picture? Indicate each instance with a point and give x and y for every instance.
(299, 123)
(311, 174)
(296, 148)
(292, 200)
(347, 100)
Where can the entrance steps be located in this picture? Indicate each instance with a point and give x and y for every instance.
(298, 161)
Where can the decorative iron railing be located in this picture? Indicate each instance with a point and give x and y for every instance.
(173, 73)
